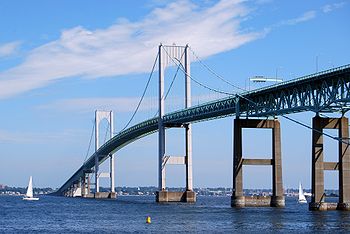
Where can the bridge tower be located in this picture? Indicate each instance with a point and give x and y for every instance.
(319, 166)
(181, 54)
(99, 116)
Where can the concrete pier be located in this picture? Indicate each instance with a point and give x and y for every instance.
(318, 201)
(166, 196)
(257, 201)
(238, 199)
(102, 195)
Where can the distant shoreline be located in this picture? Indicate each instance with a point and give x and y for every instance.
(150, 191)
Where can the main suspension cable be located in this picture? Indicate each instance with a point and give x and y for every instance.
(91, 135)
(172, 82)
(143, 94)
(179, 64)
(213, 72)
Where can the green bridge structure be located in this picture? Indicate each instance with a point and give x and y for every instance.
(322, 92)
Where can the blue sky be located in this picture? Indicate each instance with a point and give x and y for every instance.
(61, 60)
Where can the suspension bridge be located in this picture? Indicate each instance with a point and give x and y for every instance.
(323, 92)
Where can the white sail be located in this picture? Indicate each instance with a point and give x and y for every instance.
(302, 198)
(30, 188)
(29, 194)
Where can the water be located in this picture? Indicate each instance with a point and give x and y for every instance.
(128, 214)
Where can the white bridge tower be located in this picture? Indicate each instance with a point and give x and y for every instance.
(168, 54)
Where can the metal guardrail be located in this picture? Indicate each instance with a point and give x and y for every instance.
(299, 79)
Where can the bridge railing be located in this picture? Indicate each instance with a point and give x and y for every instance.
(314, 75)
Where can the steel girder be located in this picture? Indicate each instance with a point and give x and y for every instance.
(327, 92)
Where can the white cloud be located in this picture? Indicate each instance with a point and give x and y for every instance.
(263, 1)
(121, 104)
(331, 7)
(84, 105)
(39, 137)
(304, 17)
(129, 47)
(9, 48)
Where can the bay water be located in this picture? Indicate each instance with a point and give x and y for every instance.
(209, 214)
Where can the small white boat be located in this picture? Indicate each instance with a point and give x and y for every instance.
(29, 194)
(302, 198)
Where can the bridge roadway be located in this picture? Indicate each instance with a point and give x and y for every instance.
(327, 91)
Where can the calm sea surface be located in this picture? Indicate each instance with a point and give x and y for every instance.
(128, 214)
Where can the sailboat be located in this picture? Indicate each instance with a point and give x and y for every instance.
(302, 198)
(29, 194)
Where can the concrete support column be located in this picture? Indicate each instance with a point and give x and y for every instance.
(317, 187)
(188, 127)
(318, 165)
(161, 128)
(344, 165)
(83, 185)
(111, 156)
(71, 190)
(88, 184)
(111, 164)
(188, 161)
(97, 180)
(78, 191)
(238, 199)
(97, 122)
(277, 184)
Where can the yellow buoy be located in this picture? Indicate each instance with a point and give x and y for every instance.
(148, 219)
